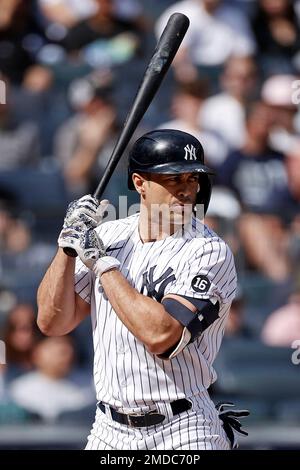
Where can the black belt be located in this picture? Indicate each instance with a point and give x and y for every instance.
(148, 419)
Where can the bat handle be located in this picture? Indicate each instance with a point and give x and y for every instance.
(70, 252)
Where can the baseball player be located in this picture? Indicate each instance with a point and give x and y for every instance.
(158, 285)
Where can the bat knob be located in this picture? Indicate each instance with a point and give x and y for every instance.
(70, 252)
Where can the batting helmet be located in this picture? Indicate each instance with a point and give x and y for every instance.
(170, 151)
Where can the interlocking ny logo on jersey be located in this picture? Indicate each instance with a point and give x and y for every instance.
(149, 283)
(190, 152)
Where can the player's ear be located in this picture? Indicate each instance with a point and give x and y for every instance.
(139, 182)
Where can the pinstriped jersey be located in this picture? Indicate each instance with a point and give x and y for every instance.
(194, 263)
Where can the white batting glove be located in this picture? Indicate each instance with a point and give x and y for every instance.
(84, 241)
(87, 209)
(89, 248)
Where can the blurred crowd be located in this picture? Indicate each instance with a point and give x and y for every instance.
(70, 70)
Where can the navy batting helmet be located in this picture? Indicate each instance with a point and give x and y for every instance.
(171, 151)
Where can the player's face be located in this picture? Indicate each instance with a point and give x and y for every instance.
(174, 194)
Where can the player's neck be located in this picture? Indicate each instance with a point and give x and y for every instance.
(151, 230)
(150, 234)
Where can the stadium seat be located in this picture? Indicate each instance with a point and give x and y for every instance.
(38, 190)
(288, 411)
(83, 416)
(250, 369)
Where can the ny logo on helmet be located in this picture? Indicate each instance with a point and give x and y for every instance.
(190, 152)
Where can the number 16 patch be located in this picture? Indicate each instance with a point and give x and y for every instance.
(200, 283)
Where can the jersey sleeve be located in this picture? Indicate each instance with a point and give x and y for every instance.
(209, 274)
(83, 280)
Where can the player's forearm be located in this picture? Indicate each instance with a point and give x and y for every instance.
(144, 317)
(56, 297)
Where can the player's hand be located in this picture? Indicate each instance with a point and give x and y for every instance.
(231, 423)
(84, 241)
(87, 210)
(89, 248)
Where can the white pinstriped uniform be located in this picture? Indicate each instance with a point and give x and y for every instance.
(128, 377)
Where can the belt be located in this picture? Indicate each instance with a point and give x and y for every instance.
(147, 419)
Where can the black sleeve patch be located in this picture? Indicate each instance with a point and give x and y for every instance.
(201, 283)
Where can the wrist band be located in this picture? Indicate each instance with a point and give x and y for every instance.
(106, 263)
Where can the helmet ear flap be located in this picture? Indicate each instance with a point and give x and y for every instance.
(203, 196)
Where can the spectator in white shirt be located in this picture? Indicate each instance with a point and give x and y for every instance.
(186, 105)
(216, 32)
(225, 112)
(48, 391)
(277, 93)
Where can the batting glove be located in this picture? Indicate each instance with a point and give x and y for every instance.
(87, 209)
(231, 423)
(89, 248)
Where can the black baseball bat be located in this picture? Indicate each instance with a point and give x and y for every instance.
(159, 64)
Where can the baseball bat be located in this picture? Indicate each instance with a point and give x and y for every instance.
(159, 64)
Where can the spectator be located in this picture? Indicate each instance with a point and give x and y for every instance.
(238, 84)
(264, 244)
(20, 336)
(186, 105)
(277, 94)
(216, 32)
(20, 253)
(286, 202)
(19, 143)
(277, 33)
(48, 391)
(20, 37)
(85, 142)
(106, 23)
(5, 222)
(235, 325)
(292, 208)
(40, 96)
(254, 172)
(284, 207)
(67, 12)
(223, 215)
(7, 301)
(282, 327)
